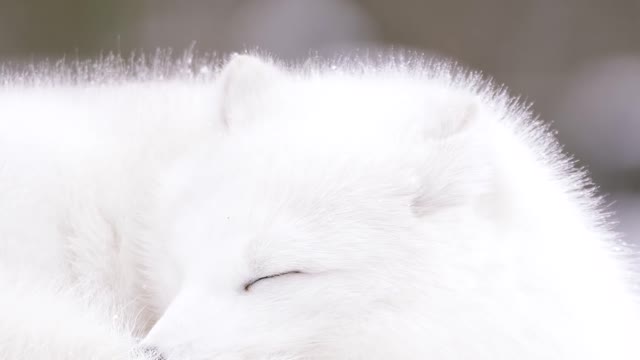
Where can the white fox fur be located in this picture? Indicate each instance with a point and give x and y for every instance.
(344, 211)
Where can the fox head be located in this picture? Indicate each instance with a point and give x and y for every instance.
(315, 227)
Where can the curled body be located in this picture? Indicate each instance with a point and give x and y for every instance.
(340, 211)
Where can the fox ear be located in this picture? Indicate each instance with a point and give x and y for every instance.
(457, 165)
(243, 83)
(453, 115)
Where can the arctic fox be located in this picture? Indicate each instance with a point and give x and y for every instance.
(343, 211)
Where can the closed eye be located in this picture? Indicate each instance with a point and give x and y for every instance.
(252, 282)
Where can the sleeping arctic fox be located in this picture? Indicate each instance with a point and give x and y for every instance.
(325, 212)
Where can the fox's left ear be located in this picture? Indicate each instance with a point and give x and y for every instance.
(243, 84)
(452, 116)
(456, 167)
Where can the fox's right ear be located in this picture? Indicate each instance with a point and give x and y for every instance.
(243, 84)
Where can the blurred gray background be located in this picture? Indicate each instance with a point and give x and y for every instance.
(577, 60)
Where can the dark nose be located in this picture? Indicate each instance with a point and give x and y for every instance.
(149, 353)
